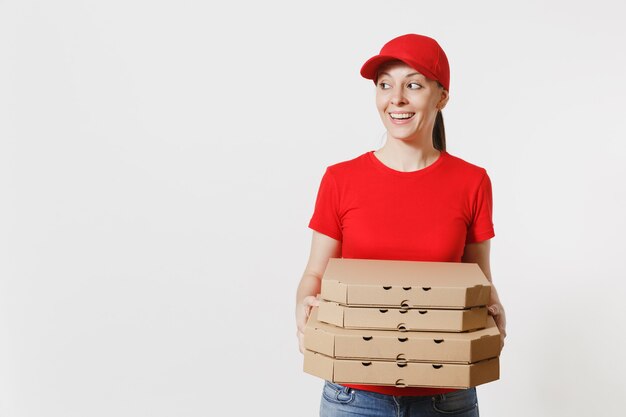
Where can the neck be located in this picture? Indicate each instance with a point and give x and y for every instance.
(408, 156)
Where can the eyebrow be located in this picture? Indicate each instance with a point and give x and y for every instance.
(406, 76)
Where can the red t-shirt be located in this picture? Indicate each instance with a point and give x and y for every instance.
(424, 215)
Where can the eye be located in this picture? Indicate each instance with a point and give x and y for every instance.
(414, 86)
(383, 85)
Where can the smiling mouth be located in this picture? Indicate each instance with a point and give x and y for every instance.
(401, 116)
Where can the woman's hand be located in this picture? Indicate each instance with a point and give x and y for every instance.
(479, 253)
(499, 316)
(322, 249)
(303, 310)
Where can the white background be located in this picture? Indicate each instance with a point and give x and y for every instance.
(159, 162)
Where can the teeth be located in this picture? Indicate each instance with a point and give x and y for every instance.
(401, 115)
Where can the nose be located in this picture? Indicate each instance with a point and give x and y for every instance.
(398, 97)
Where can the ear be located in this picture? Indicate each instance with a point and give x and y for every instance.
(443, 100)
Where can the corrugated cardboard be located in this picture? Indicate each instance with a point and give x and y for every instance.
(395, 345)
(402, 318)
(405, 283)
(408, 374)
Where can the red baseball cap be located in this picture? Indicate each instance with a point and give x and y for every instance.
(418, 51)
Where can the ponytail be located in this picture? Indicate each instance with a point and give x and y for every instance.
(439, 133)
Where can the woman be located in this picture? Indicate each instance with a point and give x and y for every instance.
(409, 200)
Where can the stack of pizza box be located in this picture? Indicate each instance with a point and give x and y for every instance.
(403, 323)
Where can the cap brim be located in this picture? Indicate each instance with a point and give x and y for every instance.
(369, 69)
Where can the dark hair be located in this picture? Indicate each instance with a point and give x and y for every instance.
(439, 131)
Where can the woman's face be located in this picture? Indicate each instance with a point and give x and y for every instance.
(407, 101)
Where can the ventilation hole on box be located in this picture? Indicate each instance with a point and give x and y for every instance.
(369, 363)
(406, 288)
(401, 364)
(423, 311)
(400, 357)
(367, 338)
(405, 304)
(383, 310)
(400, 383)
(403, 339)
(403, 310)
(426, 288)
(402, 327)
(386, 288)
(437, 366)
(437, 340)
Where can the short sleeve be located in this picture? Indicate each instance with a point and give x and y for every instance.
(326, 219)
(481, 225)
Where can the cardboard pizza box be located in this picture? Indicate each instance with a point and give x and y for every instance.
(371, 282)
(403, 319)
(465, 347)
(401, 373)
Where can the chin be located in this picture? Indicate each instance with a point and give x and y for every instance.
(403, 136)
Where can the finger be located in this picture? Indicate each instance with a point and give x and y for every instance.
(306, 305)
(502, 330)
(301, 342)
(307, 311)
(301, 321)
(493, 310)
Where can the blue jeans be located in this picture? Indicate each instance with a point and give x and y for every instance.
(340, 401)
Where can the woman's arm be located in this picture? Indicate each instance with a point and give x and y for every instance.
(322, 249)
(479, 253)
